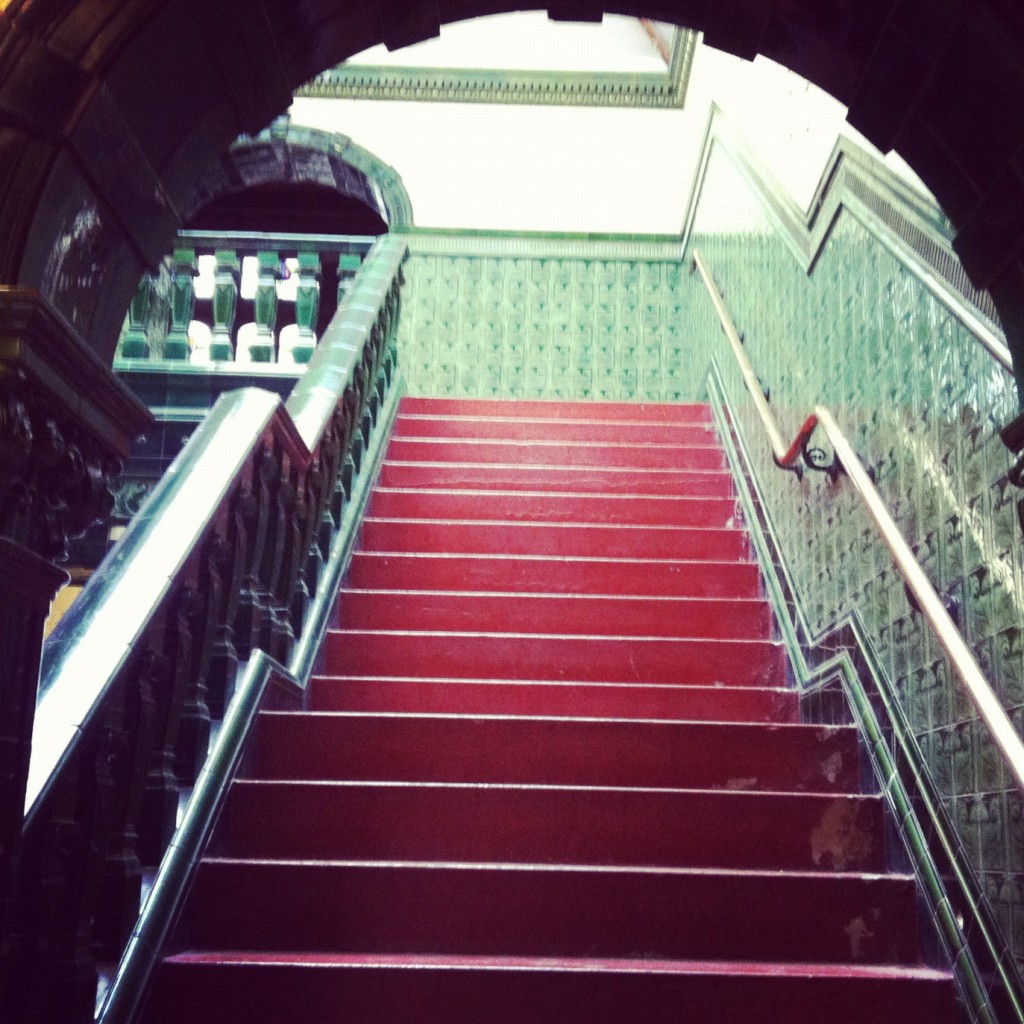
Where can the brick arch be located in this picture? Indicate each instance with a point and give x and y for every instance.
(288, 154)
(97, 168)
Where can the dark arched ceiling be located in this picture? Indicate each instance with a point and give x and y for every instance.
(111, 113)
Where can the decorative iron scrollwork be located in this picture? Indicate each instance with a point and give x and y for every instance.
(819, 460)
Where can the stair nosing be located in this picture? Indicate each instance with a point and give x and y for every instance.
(585, 495)
(768, 874)
(552, 467)
(543, 595)
(829, 730)
(538, 420)
(608, 637)
(545, 787)
(615, 965)
(597, 559)
(568, 683)
(548, 524)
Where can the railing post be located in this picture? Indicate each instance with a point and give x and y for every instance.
(225, 302)
(307, 306)
(183, 301)
(135, 344)
(262, 349)
(348, 267)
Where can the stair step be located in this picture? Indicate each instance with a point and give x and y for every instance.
(575, 700)
(527, 428)
(547, 506)
(556, 453)
(475, 612)
(600, 479)
(586, 659)
(358, 988)
(555, 751)
(549, 770)
(587, 540)
(546, 910)
(657, 412)
(492, 572)
(554, 825)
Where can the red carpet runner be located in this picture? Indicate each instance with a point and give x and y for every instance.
(551, 772)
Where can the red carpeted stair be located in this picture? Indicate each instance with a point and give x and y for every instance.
(551, 771)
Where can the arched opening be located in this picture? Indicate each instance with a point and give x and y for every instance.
(944, 87)
(87, 219)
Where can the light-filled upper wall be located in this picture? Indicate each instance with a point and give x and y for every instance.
(582, 169)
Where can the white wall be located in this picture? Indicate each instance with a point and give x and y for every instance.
(585, 169)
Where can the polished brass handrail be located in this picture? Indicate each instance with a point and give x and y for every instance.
(985, 701)
(983, 697)
(786, 457)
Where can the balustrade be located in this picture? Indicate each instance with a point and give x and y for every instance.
(219, 563)
(238, 299)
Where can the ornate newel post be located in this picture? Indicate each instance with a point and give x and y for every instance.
(65, 422)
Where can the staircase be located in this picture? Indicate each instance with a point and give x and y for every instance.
(551, 771)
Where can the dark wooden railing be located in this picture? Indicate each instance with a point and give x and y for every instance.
(220, 562)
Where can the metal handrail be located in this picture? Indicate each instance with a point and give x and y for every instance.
(985, 701)
(786, 457)
(128, 987)
(988, 706)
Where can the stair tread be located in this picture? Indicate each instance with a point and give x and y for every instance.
(416, 405)
(553, 420)
(547, 787)
(630, 527)
(554, 597)
(712, 564)
(728, 968)
(644, 472)
(623, 496)
(342, 677)
(508, 867)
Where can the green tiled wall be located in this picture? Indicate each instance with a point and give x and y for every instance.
(510, 327)
(922, 403)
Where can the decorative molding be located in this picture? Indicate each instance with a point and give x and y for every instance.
(909, 224)
(548, 88)
(545, 246)
(36, 341)
(65, 424)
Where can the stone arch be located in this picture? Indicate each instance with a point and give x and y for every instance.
(292, 154)
(99, 167)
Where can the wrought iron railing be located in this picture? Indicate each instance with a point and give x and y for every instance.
(225, 559)
(226, 300)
